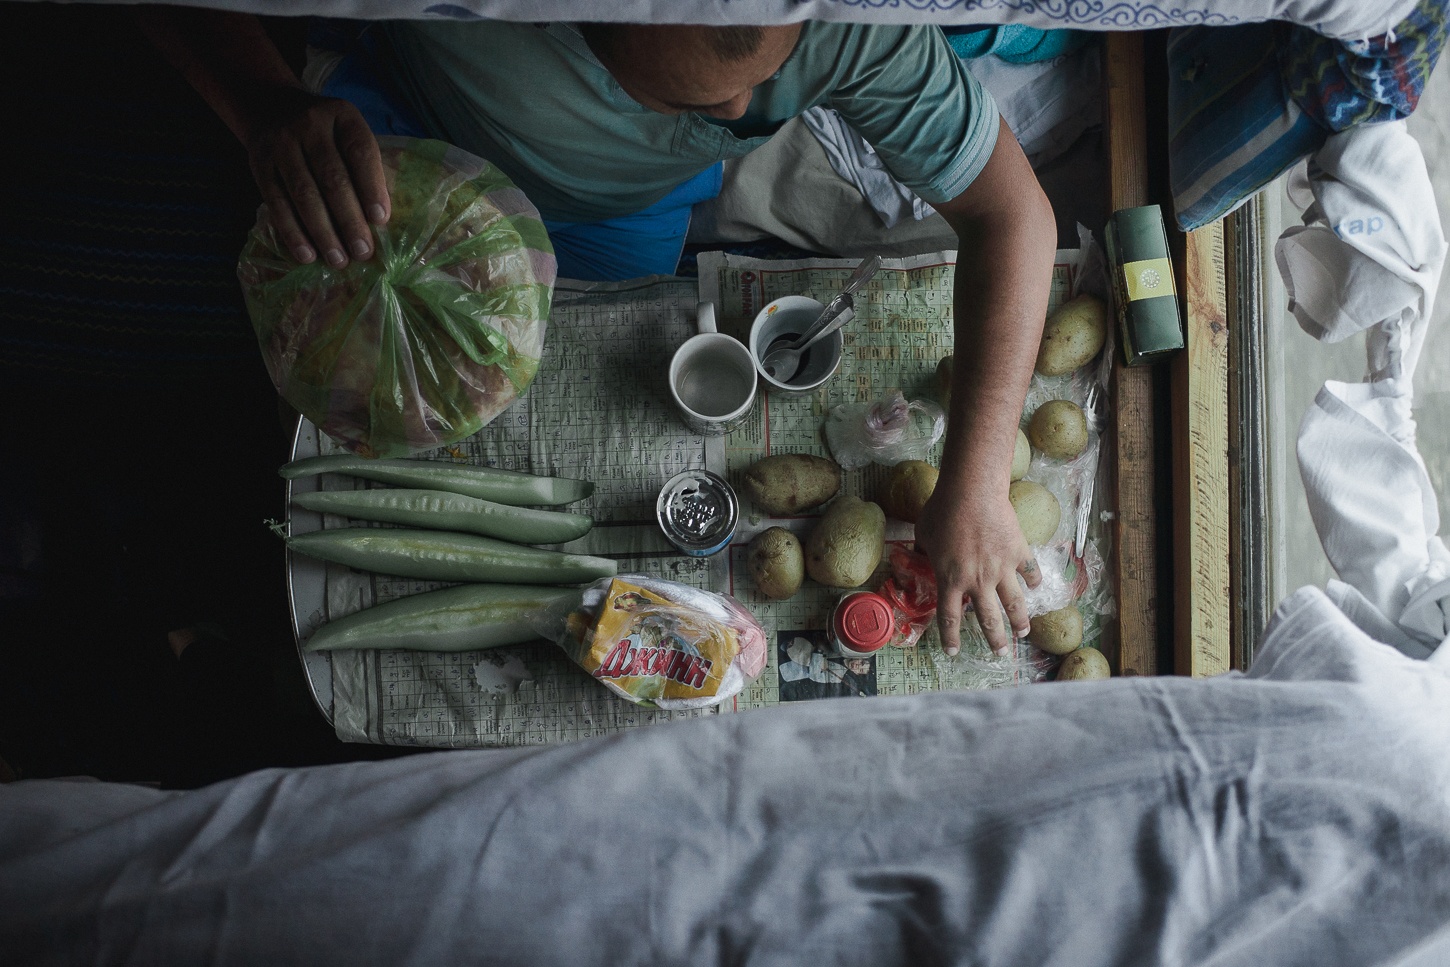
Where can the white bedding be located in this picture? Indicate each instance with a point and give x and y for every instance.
(1343, 19)
(1296, 815)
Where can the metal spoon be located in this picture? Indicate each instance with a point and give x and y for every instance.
(783, 357)
(783, 360)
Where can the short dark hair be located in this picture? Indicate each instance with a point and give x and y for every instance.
(732, 43)
(735, 42)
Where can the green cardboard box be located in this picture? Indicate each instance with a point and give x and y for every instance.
(1144, 293)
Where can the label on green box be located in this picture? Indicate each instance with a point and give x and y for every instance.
(1148, 279)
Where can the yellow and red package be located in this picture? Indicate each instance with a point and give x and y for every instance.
(664, 644)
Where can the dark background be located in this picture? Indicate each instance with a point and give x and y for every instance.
(141, 434)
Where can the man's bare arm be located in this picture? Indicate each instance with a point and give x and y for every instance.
(1007, 242)
(314, 159)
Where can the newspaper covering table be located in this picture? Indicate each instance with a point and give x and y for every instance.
(600, 409)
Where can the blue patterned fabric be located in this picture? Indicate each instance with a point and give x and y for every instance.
(1357, 82)
(1246, 103)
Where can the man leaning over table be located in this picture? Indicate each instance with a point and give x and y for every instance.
(613, 131)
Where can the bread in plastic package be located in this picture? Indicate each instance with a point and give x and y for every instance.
(431, 338)
(660, 643)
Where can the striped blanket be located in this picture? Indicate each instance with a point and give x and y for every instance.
(1248, 102)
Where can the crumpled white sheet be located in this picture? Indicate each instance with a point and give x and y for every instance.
(1369, 257)
(1046, 106)
(1299, 814)
(1376, 513)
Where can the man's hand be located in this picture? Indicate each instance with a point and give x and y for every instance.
(977, 551)
(1008, 239)
(321, 176)
(315, 162)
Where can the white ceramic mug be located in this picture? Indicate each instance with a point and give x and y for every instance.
(792, 315)
(712, 378)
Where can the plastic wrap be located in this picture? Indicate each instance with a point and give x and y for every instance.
(659, 643)
(887, 431)
(1066, 580)
(424, 343)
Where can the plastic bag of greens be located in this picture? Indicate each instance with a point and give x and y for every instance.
(431, 338)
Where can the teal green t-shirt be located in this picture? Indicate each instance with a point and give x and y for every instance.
(534, 100)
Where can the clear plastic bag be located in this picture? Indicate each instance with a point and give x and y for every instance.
(1066, 580)
(434, 336)
(659, 643)
(887, 431)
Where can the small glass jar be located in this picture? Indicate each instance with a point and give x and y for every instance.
(862, 623)
(698, 512)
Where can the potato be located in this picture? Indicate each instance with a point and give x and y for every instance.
(846, 544)
(789, 483)
(944, 384)
(1072, 336)
(907, 488)
(1038, 511)
(776, 563)
(1059, 429)
(1021, 456)
(1082, 665)
(1057, 632)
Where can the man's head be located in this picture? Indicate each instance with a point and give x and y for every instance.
(677, 68)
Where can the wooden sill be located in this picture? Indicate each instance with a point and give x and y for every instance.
(1196, 535)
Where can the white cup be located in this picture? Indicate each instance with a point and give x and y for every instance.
(792, 315)
(712, 378)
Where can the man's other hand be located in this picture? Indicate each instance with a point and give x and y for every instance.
(314, 159)
(321, 176)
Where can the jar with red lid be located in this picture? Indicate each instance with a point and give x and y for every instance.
(862, 623)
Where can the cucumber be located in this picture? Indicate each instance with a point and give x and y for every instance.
(445, 511)
(471, 480)
(467, 617)
(448, 556)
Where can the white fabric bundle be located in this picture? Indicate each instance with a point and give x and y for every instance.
(1375, 510)
(1369, 257)
(1371, 249)
(856, 161)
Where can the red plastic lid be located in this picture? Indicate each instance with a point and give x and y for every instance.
(863, 621)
